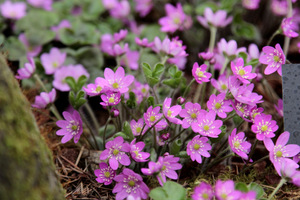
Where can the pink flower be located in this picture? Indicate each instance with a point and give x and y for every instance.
(280, 152)
(175, 19)
(207, 56)
(289, 172)
(243, 110)
(251, 4)
(238, 144)
(110, 98)
(109, 4)
(200, 74)
(71, 127)
(218, 19)
(242, 73)
(135, 151)
(255, 111)
(296, 158)
(289, 27)
(170, 113)
(130, 59)
(154, 167)
(115, 152)
(60, 74)
(264, 127)
(198, 147)
(13, 10)
(152, 116)
(63, 24)
(143, 7)
(45, 4)
(203, 191)
(105, 174)
(97, 88)
(225, 190)
(44, 99)
(143, 42)
(117, 81)
(279, 107)
(137, 127)
(279, 7)
(121, 10)
(130, 184)
(206, 124)
(274, 58)
(27, 71)
(253, 51)
(190, 114)
(119, 36)
(219, 105)
(32, 51)
(221, 84)
(53, 60)
(229, 48)
(251, 195)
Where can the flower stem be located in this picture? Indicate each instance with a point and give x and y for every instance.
(92, 116)
(251, 153)
(38, 79)
(280, 184)
(259, 160)
(212, 40)
(272, 37)
(55, 112)
(172, 139)
(187, 87)
(89, 127)
(197, 94)
(151, 128)
(104, 133)
(154, 140)
(216, 161)
(155, 96)
(224, 65)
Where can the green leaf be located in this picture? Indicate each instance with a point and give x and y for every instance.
(72, 98)
(237, 120)
(158, 70)
(127, 130)
(14, 48)
(257, 188)
(150, 101)
(2, 38)
(92, 9)
(80, 95)
(253, 62)
(173, 83)
(37, 37)
(243, 55)
(71, 82)
(228, 4)
(79, 103)
(152, 81)
(175, 147)
(131, 102)
(172, 70)
(152, 31)
(170, 191)
(147, 70)
(241, 187)
(123, 135)
(183, 154)
(80, 82)
(153, 155)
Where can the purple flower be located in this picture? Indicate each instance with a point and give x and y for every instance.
(130, 184)
(296, 158)
(175, 19)
(274, 58)
(44, 99)
(225, 190)
(170, 113)
(198, 147)
(219, 105)
(110, 98)
(251, 195)
(143, 7)
(117, 81)
(152, 116)
(238, 144)
(203, 191)
(251, 4)
(229, 48)
(121, 10)
(279, 107)
(137, 127)
(279, 7)
(130, 59)
(190, 114)
(289, 171)
(143, 42)
(255, 111)
(45, 4)
(97, 88)
(63, 24)
(264, 127)
(27, 71)
(243, 110)
(116, 153)
(207, 56)
(135, 151)
(53, 60)
(105, 174)
(154, 167)
(253, 51)
(218, 19)
(118, 37)
(290, 27)
(221, 84)
(241, 72)
(13, 10)
(206, 124)
(32, 51)
(281, 151)
(74, 71)
(200, 74)
(71, 127)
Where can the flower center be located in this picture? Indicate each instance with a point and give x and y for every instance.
(74, 127)
(254, 115)
(206, 127)
(176, 20)
(224, 87)
(200, 74)
(205, 196)
(136, 153)
(115, 85)
(224, 196)
(116, 152)
(138, 129)
(169, 113)
(163, 167)
(276, 58)
(193, 115)
(218, 106)
(111, 100)
(131, 183)
(55, 64)
(242, 110)
(236, 144)
(264, 128)
(241, 72)
(196, 146)
(152, 118)
(144, 90)
(98, 89)
(107, 174)
(279, 154)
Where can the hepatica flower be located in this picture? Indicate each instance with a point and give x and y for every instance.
(94, 89)
(229, 48)
(53, 60)
(44, 99)
(111, 98)
(115, 152)
(13, 10)
(243, 73)
(219, 105)
(45, 4)
(289, 172)
(203, 191)
(152, 116)
(251, 195)
(200, 74)
(31, 50)
(169, 164)
(251, 4)
(190, 114)
(280, 152)
(63, 24)
(274, 58)
(105, 174)
(218, 19)
(225, 190)
(27, 71)
(143, 7)
(117, 81)
(170, 113)
(279, 107)
(130, 184)
(198, 147)
(136, 151)
(238, 144)
(221, 84)
(264, 127)
(137, 127)
(71, 127)
(290, 27)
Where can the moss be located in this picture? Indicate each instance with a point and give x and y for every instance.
(27, 169)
